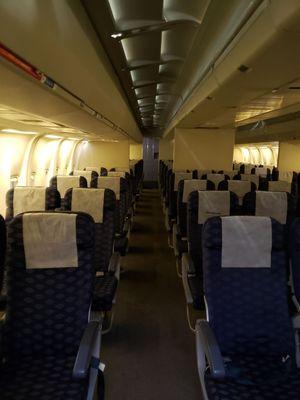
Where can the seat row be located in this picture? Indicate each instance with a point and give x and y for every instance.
(241, 272)
(62, 272)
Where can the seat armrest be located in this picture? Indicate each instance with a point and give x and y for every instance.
(208, 348)
(296, 321)
(186, 287)
(188, 264)
(126, 228)
(115, 264)
(175, 238)
(88, 349)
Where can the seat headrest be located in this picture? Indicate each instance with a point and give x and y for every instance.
(260, 171)
(246, 242)
(250, 178)
(280, 186)
(272, 204)
(67, 182)
(110, 182)
(216, 178)
(178, 176)
(28, 198)
(191, 185)
(86, 174)
(116, 174)
(89, 201)
(213, 204)
(50, 240)
(123, 169)
(96, 169)
(286, 176)
(240, 188)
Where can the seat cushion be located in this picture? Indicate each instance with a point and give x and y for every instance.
(104, 292)
(254, 377)
(41, 379)
(196, 287)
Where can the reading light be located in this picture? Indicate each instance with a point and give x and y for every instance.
(18, 131)
(53, 137)
(116, 35)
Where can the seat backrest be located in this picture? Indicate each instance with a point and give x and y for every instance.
(216, 178)
(218, 203)
(100, 204)
(240, 188)
(50, 274)
(2, 249)
(261, 171)
(185, 187)
(294, 249)
(280, 186)
(120, 187)
(103, 171)
(248, 177)
(244, 269)
(175, 178)
(87, 174)
(31, 198)
(278, 205)
(63, 183)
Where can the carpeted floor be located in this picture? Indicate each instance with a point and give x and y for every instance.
(150, 352)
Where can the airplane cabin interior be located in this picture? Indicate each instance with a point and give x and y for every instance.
(149, 199)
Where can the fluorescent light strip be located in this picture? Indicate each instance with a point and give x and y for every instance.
(19, 131)
(53, 137)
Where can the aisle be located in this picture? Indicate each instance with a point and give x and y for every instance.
(150, 352)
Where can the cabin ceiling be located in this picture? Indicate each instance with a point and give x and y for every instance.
(161, 49)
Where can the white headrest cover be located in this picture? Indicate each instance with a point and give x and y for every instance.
(190, 185)
(286, 176)
(123, 169)
(272, 204)
(116, 174)
(230, 174)
(215, 178)
(240, 188)
(86, 174)
(179, 176)
(280, 186)
(90, 201)
(96, 169)
(50, 240)
(246, 242)
(110, 182)
(250, 178)
(67, 182)
(261, 171)
(248, 168)
(29, 199)
(213, 204)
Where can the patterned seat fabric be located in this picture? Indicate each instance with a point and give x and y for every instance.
(82, 184)
(47, 312)
(194, 229)
(40, 378)
(249, 206)
(52, 201)
(121, 205)
(104, 292)
(182, 207)
(196, 288)
(294, 250)
(2, 252)
(255, 378)
(248, 313)
(173, 192)
(104, 232)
